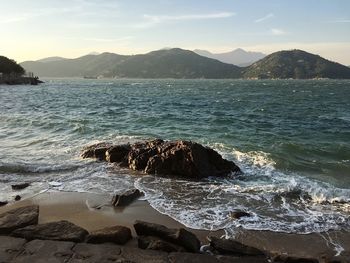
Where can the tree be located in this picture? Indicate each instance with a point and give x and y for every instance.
(8, 66)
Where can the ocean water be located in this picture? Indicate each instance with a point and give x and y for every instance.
(291, 138)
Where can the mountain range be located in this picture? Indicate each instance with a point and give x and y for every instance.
(180, 63)
(237, 57)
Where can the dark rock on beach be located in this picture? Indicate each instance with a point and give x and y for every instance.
(115, 234)
(291, 259)
(18, 197)
(126, 198)
(155, 243)
(180, 237)
(182, 158)
(18, 218)
(61, 230)
(19, 186)
(2, 203)
(233, 247)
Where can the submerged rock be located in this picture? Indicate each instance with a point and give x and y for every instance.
(18, 218)
(115, 234)
(182, 158)
(180, 237)
(20, 186)
(239, 214)
(126, 198)
(233, 247)
(18, 197)
(61, 231)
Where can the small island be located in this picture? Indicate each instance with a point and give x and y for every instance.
(12, 73)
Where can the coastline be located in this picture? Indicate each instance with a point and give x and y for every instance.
(78, 208)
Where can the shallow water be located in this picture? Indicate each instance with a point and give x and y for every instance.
(291, 138)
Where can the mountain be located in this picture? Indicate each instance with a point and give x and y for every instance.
(237, 57)
(8, 66)
(51, 59)
(171, 63)
(296, 64)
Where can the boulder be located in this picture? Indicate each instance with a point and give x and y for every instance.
(118, 154)
(115, 234)
(233, 247)
(60, 231)
(239, 214)
(126, 198)
(2, 203)
(180, 237)
(292, 259)
(182, 158)
(155, 243)
(20, 186)
(18, 197)
(18, 218)
(97, 151)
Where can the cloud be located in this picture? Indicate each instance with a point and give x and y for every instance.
(152, 20)
(268, 16)
(340, 21)
(277, 32)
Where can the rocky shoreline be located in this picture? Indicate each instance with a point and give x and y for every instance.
(20, 81)
(23, 239)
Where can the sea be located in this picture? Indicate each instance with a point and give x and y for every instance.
(291, 139)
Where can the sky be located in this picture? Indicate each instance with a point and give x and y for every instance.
(31, 30)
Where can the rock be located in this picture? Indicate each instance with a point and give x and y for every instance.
(180, 237)
(292, 259)
(126, 198)
(61, 230)
(40, 251)
(20, 186)
(115, 234)
(233, 247)
(239, 214)
(10, 247)
(191, 258)
(18, 197)
(118, 154)
(2, 203)
(18, 218)
(97, 151)
(155, 243)
(96, 253)
(182, 158)
(137, 255)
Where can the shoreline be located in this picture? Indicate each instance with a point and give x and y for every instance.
(78, 208)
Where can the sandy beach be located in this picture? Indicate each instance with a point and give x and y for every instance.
(93, 212)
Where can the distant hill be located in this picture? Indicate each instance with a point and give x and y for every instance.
(8, 66)
(237, 57)
(172, 63)
(179, 63)
(51, 59)
(296, 64)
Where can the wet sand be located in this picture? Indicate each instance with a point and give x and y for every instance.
(92, 212)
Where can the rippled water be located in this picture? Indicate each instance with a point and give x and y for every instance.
(291, 139)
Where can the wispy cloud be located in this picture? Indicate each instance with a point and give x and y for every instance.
(340, 21)
(277, 32)
(152, 20)
(268, 16)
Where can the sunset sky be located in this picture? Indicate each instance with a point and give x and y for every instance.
(32, 30)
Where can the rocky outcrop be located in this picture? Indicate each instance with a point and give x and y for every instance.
(180, 237)
(126, 198)
(18, 218)
(233, 247)
(61, 230)
(115, 234)
(182, 158)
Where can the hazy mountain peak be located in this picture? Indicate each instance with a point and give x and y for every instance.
(238, 57)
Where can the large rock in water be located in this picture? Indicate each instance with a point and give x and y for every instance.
(183, 158)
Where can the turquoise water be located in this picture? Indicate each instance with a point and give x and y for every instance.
(291, 138)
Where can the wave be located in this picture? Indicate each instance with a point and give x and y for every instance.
(276, 200)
